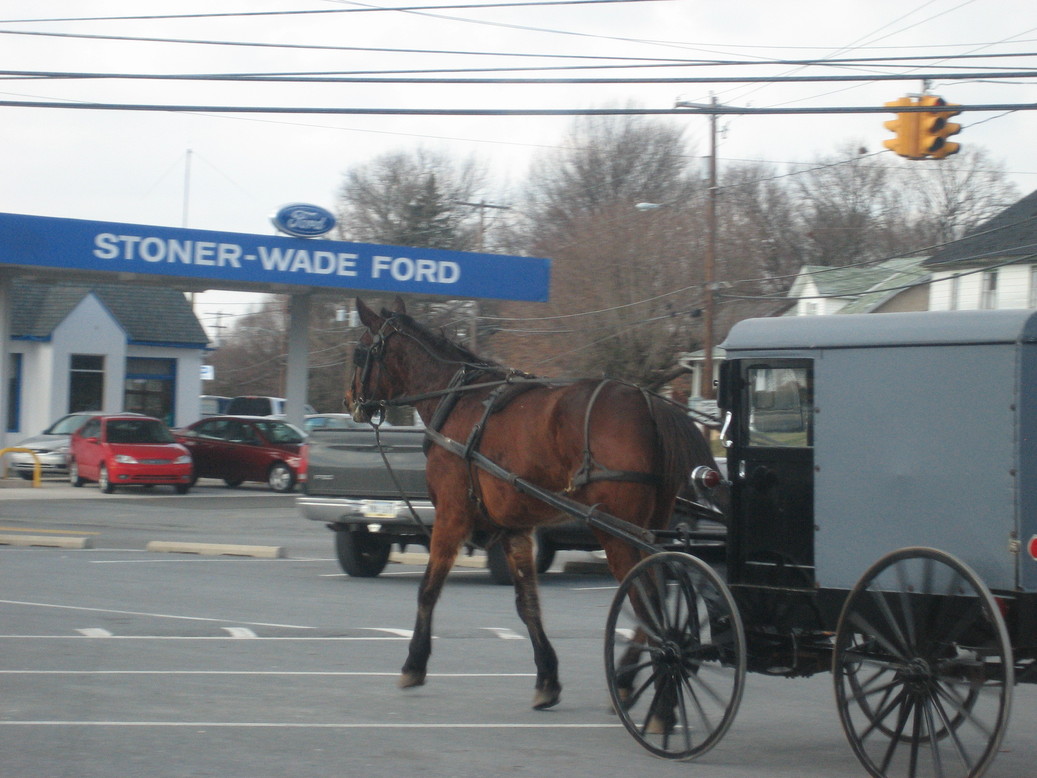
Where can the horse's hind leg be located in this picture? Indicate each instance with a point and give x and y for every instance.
(519, 549)
(442, 553)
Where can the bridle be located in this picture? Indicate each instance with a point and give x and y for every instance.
(365, 356)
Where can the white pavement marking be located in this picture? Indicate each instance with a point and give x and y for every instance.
(504, 633)
(334, 673)
(94, 632)
(148, 615)
(296, 725)
(400, 633)
(240, 632)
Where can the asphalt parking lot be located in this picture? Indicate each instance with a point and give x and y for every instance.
(119, 661)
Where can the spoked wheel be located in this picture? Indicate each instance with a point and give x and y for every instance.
(675, 655)
(923, 668)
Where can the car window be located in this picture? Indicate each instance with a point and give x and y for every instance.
(137, 431)
(91, 429)
(250, 406)
(66, 425)
(280, 432)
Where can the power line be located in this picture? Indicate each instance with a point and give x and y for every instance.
(323, 11)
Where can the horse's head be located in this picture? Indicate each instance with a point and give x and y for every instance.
(372, 380)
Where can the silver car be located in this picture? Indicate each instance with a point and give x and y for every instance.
(50, 447)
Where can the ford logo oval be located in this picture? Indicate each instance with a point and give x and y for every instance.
(303, 220)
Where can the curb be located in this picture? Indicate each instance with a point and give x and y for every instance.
(215, 549)
(44, 540)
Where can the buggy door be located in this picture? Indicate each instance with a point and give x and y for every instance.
(770, 464)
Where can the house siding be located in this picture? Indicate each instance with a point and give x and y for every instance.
(1013, 288)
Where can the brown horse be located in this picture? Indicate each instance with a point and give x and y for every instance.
(601, 442)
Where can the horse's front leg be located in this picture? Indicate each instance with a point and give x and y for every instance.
(519, 549)
(442, 553)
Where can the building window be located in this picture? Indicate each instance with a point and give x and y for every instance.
(14, 394)
(150, 387)
(955, 292)
(988, 300)
(86, 383)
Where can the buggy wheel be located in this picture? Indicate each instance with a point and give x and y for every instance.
(675, 655)
(923, 667)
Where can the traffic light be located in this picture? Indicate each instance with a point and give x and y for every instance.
(905, 128)
(933, 129)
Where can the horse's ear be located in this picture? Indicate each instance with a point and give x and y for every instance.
(370, 319)
(398, 306)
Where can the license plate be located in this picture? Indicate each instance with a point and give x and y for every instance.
(379, 510)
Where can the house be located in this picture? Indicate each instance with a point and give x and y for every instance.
(993, 266)
(104, 347)
(893, 285)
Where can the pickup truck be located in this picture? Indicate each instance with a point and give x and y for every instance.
(346, 485)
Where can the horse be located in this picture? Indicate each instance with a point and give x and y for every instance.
(601, 442)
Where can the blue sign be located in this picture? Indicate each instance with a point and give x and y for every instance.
(42, 241)
(303, 220)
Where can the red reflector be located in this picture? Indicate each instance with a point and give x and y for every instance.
(1032, 547)
(706, 477)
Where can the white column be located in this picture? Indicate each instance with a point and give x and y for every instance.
(297, 378)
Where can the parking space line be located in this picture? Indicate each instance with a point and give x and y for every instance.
(314, 725)
(148, 615)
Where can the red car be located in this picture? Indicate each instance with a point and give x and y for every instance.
(128, 449)
(244, 448)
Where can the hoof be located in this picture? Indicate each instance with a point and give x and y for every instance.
(411, 679)
(657, 726)
(546, 698)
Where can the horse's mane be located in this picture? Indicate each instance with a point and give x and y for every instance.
(439, 342)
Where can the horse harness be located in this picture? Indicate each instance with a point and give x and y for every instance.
(502, 392)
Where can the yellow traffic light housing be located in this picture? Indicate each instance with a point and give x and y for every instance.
(922, 134)
(934, 129)
(905, 128)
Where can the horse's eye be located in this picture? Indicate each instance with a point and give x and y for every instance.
(360, 355)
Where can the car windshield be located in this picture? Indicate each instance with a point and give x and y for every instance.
(66, 425)
(138, 431)
(280, 432)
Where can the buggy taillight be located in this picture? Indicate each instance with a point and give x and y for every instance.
(706, 477)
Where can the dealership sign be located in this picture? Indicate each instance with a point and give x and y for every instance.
(303, 221)
(41, 241)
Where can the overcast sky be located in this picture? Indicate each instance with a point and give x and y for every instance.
(133, 166)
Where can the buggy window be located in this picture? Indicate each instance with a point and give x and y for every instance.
(780, 406)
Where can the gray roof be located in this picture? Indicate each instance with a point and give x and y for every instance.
(1012, 233)
(147, 314)
(868, 330)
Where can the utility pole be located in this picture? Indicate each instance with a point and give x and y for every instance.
(709, 269)
(473, 322)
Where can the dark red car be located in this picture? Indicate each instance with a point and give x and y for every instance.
(127, 449)
(244, 448)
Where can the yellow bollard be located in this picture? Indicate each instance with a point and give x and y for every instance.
(36, 482)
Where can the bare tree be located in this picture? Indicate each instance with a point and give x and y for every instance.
(625, 285)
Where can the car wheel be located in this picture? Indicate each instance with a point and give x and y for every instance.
(182, 488)
(280, 477)
(233, 483)
(26, 475)
(73, 474)
(103, 482)
(361, 554)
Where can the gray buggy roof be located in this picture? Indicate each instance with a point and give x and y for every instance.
(921, 328)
